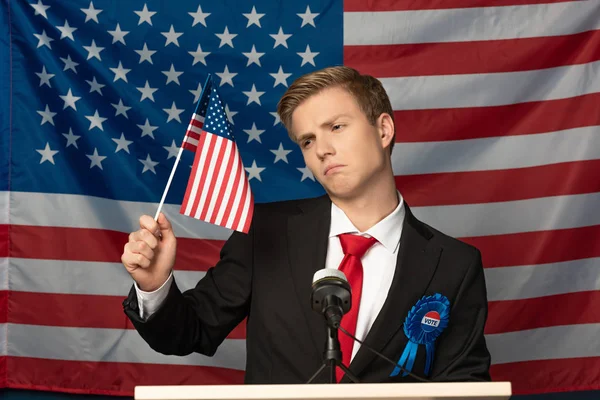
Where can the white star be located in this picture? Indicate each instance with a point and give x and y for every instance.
(172, 75)
(226, 38)
(118, 35)
(66, 31)
(226, 76)
(172, 37)
(147, 129)
(145, 15)
(44, 77)
(121, 109)
(96, 160)
(254, 171)
(145, 54)
(254, 134)
(306, 174)
(47, 154)
(308, 18)
(122, 143)
(95, 86)
(40, 8)
(280, 38)
(253, 57)
(120, 72)
(230, 114)
(148, 164)
(69, 64)
(173, 112)
(280, 77)
(47, 116)
(147, 92)
(308, 56)
(71, 139)
(95, 121)
(277, 119)
(281, 154)
(70, 100)
(199, 16)
(197, 93)
(253, 18)
(91, 13)
(43, 39)
(253, 96)
(199, 55)
(93, 50)
(172, 149)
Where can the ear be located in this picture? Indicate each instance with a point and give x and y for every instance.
(387, 131)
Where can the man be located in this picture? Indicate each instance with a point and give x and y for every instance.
(409, 280)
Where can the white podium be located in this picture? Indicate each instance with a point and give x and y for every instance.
(368, 391)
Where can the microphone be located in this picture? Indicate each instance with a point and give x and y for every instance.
(331, 295)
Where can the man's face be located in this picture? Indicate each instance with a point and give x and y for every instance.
(340, 147)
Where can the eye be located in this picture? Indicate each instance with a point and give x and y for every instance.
(336, 127)
(306, 143)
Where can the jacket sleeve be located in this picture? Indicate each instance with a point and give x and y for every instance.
(463, 354)
(199, 319)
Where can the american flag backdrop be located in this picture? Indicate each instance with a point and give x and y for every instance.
(497, 107)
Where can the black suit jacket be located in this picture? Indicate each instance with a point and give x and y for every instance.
(266, 275)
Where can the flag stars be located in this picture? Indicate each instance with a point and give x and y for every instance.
(47, 116)
(230, 114)
(254, 133)
(254, 171)
(145, 15)
(40, 9)
(173, 113)
(308, 18)
(69, 64)
(172, 37)
(120, 72)
(172, 75)
(226, 38)
(199, 55)
(95, 121)
(70, 100)
(172, 149)
(253, 18)
(95, 86)
(281, 38)
(66, 31)
(71, 138)
(122, 144)
(199, 16)
(121, 109)
(93, 50)
(306, 174)
(253, 57)
(280, 77)
(43, 40)
(145, 54)
(147, 92)
(226, 76)
(277, 119)
(196, 93)
(148, 164)
(281, 154)
(147, 129)
(44, 77)
(253, 96)
(91, 13)
(47, 154)
(95, 159)
(118, 35)
(308, 56)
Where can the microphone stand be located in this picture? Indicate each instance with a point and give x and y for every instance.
(332, 357)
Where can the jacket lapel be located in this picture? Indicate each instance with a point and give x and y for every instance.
(416, 264)
(308, 233)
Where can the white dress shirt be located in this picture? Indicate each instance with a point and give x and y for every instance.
(379, 264)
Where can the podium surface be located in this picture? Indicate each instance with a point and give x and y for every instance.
(372, 391)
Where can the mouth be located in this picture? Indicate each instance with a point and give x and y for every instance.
(332, 168)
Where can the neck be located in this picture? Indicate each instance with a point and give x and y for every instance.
(367, 209)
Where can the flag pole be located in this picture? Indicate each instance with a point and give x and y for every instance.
(164, 196)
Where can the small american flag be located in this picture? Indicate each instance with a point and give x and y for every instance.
(218, 190)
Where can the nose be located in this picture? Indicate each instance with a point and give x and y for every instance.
(324, 147)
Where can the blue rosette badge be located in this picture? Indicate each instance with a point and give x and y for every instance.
(423, 324)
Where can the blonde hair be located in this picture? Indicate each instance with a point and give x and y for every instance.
(368, 92)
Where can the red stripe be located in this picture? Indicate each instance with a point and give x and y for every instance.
(246, 227)
(500, 185)
(189, 146)
(192, 178)
(110, 378)
(79, 244)
(197, 122)
(3, 306)
(542, 312)
(226, 179)
(4, 232)
(3, 371)
(234, 189)
(217, 159)
(541, 247)
(401, 5)
(474, 57)
(478, 122)
(241, 209)
(547, 376)
(210, 143)
(73, 310)
(193, 135)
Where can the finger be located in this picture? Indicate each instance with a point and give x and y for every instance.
(164, 224)
(147, 222)
(143, 249)
(134, 260)
(145, 236)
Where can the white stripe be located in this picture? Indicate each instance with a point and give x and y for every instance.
(211, 165)
(4, 263)
(543, 279)
(192, 141)
(495, 89)
(199, 117)
(78, 211)
(222, 165)
(109, 345)
(241, 172)
(198, 174)
(495, 153)
(195, 129)
(549, 213)
(230, 181)
(557, 342)
(80, 277)
(3, 337)
(470, 24)
(4, 207)
(245, 210)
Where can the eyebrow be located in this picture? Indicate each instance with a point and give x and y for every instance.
(326, 123)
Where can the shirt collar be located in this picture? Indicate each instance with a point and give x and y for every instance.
(387, 231)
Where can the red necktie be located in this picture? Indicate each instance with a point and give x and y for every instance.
(354, 248)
